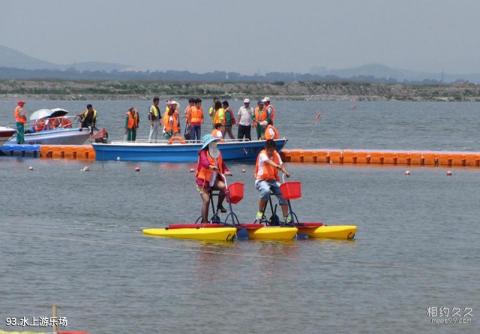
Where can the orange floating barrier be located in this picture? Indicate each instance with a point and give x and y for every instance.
(309, 156)
(334, 157)
(413, 158)
(472, 160)
(71, 152)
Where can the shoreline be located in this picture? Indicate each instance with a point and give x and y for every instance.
(302, 91)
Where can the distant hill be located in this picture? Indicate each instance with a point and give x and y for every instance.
(10, 58)
(16, 59)
(93, 66)
(17, 65)
(379, 71)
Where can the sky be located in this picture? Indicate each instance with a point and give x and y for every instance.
(248, 36)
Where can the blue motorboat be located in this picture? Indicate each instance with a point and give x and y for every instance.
(178, 152)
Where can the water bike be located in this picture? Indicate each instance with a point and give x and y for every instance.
(292, 190)
(228, 228)
(265, 229)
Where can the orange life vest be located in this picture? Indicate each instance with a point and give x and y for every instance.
(260, 115)
(132, 120)
(39, 125)
(19, 118)
(205, 174)
(217, 133)
(65, 122)
(171, 126)
(53, 123)
(196, 115)
(267, 172)
(270, 108)
(268, 132)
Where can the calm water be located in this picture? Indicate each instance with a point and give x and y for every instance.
(73, 238)
(372, 125)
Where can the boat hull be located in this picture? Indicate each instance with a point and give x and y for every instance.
(275, 233)
(202, 233)
(70, 136)
(5, 134)
(177, 152)
(341, 232)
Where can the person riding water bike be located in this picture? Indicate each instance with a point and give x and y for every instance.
(209, 175)
(267, 180)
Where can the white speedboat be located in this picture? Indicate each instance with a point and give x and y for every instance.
(6, 133)
(53, 126)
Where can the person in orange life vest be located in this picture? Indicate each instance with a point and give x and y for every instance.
(196, 120)
(269, 108)
(271, 132)
(188, 108)
(53, 123)
(229, 120)
(218, 131)
(39, 125)
(210, 168)
(132, 120)
(259, 119)
(20, 120)
(171, 121)
(267, 179)
(187, 113)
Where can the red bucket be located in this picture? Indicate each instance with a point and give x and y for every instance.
(235, 192)
(291, 190)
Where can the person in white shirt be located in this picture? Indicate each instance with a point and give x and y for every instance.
(245, 117)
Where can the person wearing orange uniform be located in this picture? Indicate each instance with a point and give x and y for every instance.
(269, 108)
(131, 124)
(267, 180)
(171, 125)
(188, 115)
(209, 175)
(271, 132)
(218, 131)
(260, 119)
(196, 119)
(20, 119)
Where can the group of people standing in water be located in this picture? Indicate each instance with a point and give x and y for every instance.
(221, 115)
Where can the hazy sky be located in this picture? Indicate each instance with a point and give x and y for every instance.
(248, 35)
